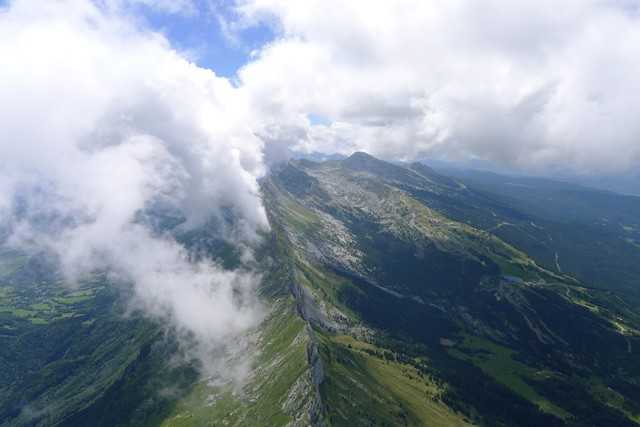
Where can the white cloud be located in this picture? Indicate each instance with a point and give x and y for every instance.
(535, 84)
(101, 118)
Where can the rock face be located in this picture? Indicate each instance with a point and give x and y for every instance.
(316, 411)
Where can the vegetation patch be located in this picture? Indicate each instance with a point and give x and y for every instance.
(497, 362)
(368, 385)
(75, 297)
(607, 395)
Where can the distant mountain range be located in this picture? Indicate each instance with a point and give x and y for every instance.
(397, 295)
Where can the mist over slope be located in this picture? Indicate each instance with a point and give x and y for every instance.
(108, 131)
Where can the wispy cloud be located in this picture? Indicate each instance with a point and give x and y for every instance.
(102, 120)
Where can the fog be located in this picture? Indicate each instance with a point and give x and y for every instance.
(101, 120)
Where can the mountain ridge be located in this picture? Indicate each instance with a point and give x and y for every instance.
(390, 301)
(540, 332)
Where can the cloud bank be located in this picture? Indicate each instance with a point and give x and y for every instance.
(101, 120)
(541, 85)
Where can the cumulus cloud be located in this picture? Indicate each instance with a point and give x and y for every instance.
(102, 120)
(534, 84)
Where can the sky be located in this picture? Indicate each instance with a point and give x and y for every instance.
(199, 29)
(537, 87)
(110, 107)
(533, 86)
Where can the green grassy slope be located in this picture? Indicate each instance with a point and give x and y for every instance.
(367, 385)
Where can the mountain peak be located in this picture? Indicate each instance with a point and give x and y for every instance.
(361, 155)
(362, 160)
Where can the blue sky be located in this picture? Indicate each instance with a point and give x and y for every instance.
(203, 36)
